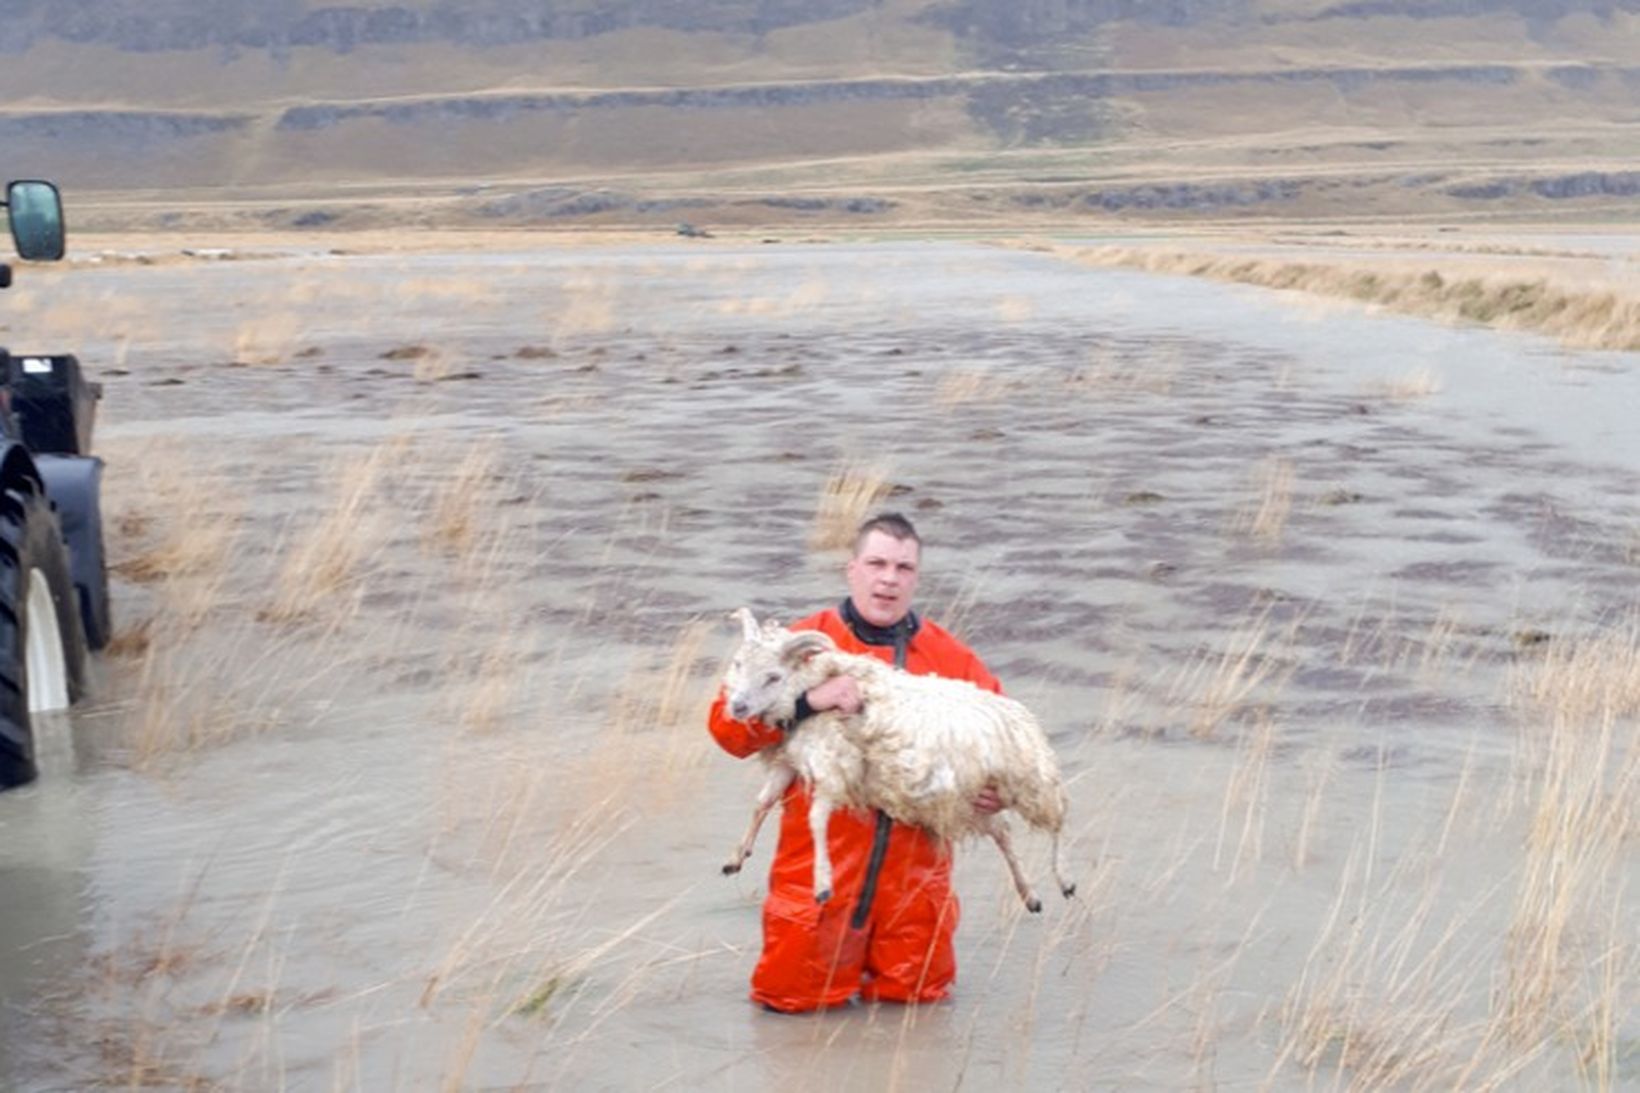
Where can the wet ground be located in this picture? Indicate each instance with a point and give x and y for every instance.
(396, 777)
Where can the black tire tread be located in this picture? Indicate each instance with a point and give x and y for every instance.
(30, 538)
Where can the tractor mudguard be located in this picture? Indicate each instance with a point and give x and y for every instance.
(74, 485)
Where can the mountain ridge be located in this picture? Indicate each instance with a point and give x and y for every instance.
(646, 105)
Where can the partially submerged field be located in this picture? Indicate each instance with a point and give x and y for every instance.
(397, 777)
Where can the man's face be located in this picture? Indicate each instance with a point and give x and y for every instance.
(882, 576)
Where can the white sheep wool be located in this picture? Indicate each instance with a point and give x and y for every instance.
(921, 749)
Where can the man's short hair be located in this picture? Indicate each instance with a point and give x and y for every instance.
(891, 524)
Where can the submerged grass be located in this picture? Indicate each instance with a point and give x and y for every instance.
(1265, 518)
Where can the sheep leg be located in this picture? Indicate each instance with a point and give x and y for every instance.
(1066, 888)
(819, 822)
(997, 828)
(774, 786)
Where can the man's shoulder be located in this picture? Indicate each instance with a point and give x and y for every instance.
(952, 657)
(938, 636)
(825, 619)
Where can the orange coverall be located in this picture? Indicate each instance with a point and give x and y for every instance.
(818, 955)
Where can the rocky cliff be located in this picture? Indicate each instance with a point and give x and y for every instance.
(283, 25)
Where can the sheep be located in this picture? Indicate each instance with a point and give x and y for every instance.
(921, 749)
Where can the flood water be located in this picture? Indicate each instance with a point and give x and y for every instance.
(397, 776)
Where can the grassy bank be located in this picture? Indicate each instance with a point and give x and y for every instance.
(1588, 316)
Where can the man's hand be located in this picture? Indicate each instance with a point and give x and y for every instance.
(988, 803)
(838, 693)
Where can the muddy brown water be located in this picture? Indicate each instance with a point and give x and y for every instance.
(399, 781)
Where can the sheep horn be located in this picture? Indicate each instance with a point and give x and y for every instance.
(802, 646)
(748, 623)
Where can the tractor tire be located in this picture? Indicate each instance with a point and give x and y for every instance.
(42, 646)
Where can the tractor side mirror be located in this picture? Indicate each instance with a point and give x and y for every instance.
(36, 214)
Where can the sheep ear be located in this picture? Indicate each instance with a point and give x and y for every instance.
(801, 647)
(748, 624)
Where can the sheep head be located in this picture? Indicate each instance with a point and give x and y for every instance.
(768, 671)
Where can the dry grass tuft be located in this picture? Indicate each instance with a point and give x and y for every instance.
(1417, 384)
(1387, 996)
(1015, 309)
(266, 339)
(807, 296)
(491, 701)
(1247, 792)
(1108, 372)
(1214, 689)
(965, 385)
(130, 641)
(188, 701)
(322, 565)
(655, 716)
(1265, 519)
(432, 366)
(1583, 680)
(462, 500)
(188, 517)
(588, 306)
(847, 499)
(1580, 770)
(645, 750)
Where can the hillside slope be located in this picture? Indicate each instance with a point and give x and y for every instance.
(751, 111)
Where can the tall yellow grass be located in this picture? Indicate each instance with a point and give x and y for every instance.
(1580, 768)
(463, 497)
(847, 498)
(173, 512)
(1588, 317)
(1212, 690)
(653, 740)
(322, 563)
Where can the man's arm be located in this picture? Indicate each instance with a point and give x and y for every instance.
(739, 738)
(745, 738)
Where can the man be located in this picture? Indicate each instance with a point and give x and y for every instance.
(886, 933)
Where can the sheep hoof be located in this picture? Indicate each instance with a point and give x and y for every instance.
(823, 895)
(1033, 905)
(1069, 890)
(731, 869)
